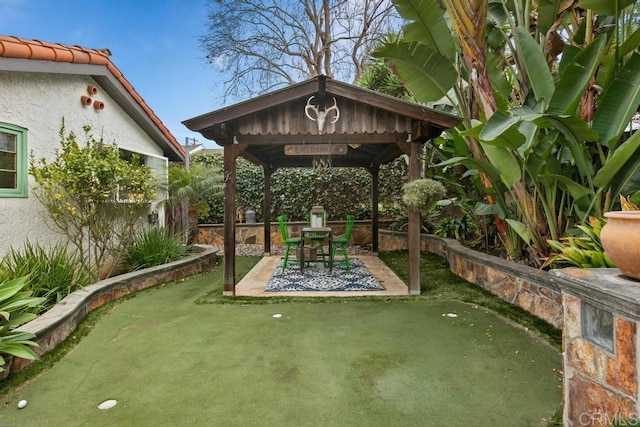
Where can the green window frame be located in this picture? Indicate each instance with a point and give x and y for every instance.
(13, 161)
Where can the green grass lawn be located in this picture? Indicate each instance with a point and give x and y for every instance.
(325, 362)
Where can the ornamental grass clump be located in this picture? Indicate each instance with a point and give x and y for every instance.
(53, 273)
(153, 247)
(423, 194)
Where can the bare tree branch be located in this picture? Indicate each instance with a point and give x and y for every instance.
(262, 45)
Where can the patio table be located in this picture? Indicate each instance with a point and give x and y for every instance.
(315, 231)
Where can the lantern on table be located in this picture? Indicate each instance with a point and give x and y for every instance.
(318, 217)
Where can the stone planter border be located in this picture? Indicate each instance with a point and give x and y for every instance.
(52, 327)
(526, 287)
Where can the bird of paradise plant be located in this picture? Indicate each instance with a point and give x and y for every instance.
(545, 157)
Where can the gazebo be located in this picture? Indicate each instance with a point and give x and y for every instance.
(318, 122)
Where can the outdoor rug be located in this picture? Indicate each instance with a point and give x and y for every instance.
(317, 278)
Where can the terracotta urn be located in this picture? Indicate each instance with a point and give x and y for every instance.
(621, 241)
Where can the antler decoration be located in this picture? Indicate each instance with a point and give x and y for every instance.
(321, 116)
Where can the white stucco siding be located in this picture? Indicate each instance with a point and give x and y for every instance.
(115, 126)
(37, 102)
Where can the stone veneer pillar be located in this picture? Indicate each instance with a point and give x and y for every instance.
(600, 347)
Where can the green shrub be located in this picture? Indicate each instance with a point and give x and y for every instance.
(153, 247)
(401, 222)
(460, 228)
(52, 273)
(82, 190)
(16, 308)
(423, 194)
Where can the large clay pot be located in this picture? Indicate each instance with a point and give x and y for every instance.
(621, 241)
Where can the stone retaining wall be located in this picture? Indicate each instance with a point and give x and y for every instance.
(523, 286)
(52, 327)
(600, 347)
(253, 234)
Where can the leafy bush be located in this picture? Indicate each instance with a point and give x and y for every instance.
(401, 222)
(423, 194)
(52, 273)
(93, 196)
(153, 247)
(16, 308)
(460, 228)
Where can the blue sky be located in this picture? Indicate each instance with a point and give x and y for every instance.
(153, 43)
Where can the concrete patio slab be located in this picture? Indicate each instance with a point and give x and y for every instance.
(253, 284)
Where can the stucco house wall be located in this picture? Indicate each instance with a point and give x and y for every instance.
(37, 98)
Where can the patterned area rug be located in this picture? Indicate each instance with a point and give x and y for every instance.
(317, 278)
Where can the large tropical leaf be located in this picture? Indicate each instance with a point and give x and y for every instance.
(606, 7)
(620, 166)
(506, 164)
(521, 229)
(573, 128)
(576, 77)
(478, 164)
(501, 86)
(623, 183)
(575, 132)
(10, 288)
(501, 130)
(17, 350)
(427, 25)
(497, 125)
(488, 209)
(568, 53)
(630, 44)
(619, 103)
(20, 338)
(535, 64)
(427, 74)
(18, 319)
(496, 11)
(547, 13)
(576, 190)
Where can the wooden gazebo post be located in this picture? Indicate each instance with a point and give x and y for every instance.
(375, 197)
(414, 225)
(230, 154)
(267, 210)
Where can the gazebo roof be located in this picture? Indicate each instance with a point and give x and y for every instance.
(365, 129)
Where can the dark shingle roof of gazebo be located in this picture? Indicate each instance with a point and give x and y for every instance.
(370, 130)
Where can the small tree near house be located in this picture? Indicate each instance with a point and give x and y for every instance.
(94, 197)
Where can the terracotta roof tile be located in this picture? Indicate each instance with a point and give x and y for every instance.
(16, 47)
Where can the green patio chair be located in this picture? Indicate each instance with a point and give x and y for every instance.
(340, 243)
(289, 241)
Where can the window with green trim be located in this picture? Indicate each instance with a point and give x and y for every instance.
(13, 161)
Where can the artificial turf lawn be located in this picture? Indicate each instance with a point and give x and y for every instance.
(389, 362)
